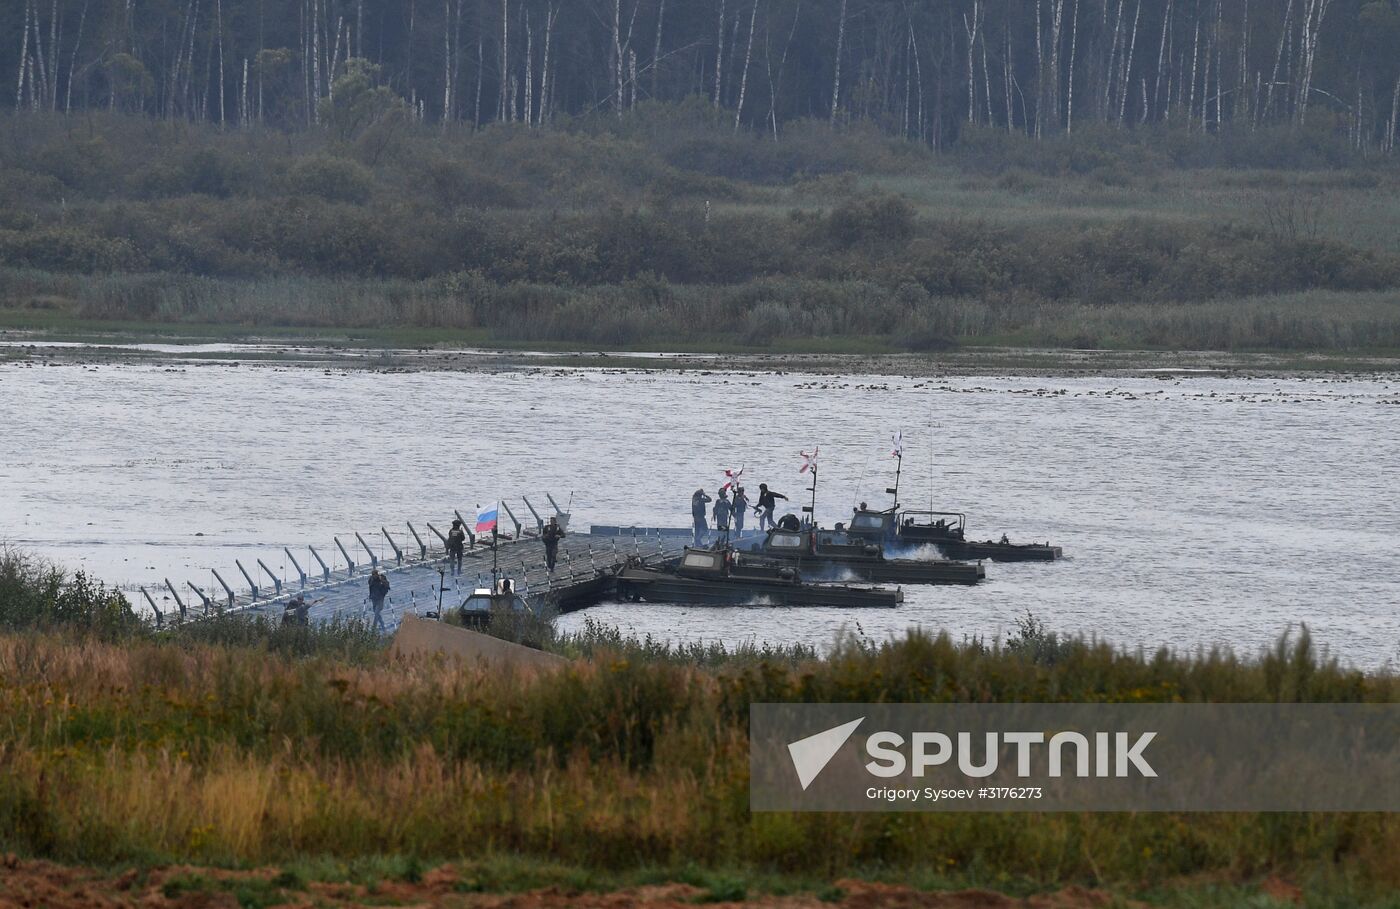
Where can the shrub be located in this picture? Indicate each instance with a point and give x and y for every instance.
(330, 178)
(38, 595)
(71, 249)
(880, 224)
(446, 181)
(212, 172)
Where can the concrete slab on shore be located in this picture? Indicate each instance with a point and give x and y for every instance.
(416, 636)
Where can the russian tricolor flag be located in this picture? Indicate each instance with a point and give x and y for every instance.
(486, 519)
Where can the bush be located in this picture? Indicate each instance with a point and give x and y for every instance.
(212, 172)
(68, 249)
(881, 224)
(331, 179)
(38, 595)
(456, 183)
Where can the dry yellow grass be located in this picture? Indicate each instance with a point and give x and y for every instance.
(153, 751)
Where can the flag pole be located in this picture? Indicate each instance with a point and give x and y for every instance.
(495, 548)
(813, 509)
(898, 468)
(812, 466)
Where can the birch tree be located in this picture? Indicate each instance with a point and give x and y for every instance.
(971, 28)
(719, 54)
(836, 79)
(744, 80)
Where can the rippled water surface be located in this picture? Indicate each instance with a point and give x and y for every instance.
(1192, 510)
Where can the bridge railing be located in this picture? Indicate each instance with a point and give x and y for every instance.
(349, 557)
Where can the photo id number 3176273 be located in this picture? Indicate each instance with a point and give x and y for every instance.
(931, 794)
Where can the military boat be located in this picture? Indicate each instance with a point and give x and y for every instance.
(946, 530)
(475, 611)
(724, 577)
(821, 553)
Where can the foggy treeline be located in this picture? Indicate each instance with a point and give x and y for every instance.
(916, 69)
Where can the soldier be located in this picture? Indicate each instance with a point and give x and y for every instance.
(740, 509)
(456, 545)
(297, 611)
(378, 590)
(698, 501)
(767, 502)
(550, 536)
(722, 512)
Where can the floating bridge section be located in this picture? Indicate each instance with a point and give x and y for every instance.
(334, 579)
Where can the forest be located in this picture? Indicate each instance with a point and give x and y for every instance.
(810, 174)
(919, 69)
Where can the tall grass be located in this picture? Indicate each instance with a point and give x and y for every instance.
(243, 743)
(144, 752)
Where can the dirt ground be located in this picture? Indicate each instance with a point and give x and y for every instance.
(32, 884)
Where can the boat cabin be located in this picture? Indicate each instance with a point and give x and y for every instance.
(818, 544)
(908, 526)
(931, 526)
(727, 564)
(808, 544)
(476, 609)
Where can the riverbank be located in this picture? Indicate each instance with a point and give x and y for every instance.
(506, 881)
(167, 760)
(402, 349)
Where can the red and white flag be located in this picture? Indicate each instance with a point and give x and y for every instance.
(898, 451)
(809, 461)
(731, 478)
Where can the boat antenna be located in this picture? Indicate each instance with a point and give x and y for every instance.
(810, 463)
(860, 484)
(898, 453)
(930, 465)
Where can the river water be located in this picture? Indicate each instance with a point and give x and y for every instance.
(1192, 511)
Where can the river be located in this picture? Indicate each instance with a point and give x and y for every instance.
(1193, 511)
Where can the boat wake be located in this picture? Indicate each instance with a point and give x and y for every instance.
(924, 552)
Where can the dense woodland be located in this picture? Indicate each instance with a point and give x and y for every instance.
(1064, 172)
(921, 69)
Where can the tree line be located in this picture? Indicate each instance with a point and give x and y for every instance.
(921, 69)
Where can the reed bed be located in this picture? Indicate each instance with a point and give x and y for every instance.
(759, 314)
